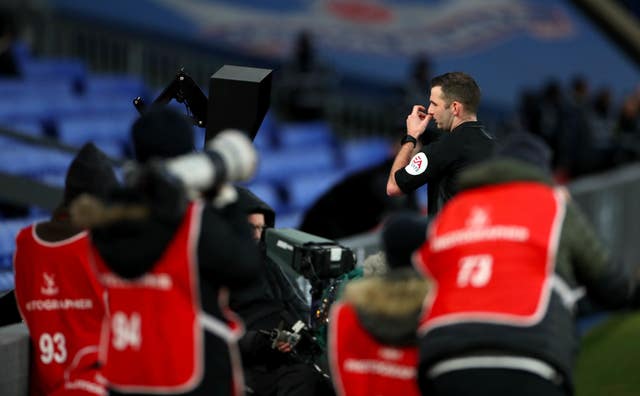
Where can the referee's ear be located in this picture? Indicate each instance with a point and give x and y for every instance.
(457, 108)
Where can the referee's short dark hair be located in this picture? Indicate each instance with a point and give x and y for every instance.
(460, 87)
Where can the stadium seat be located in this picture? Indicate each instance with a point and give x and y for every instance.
(113, 149)
(265, 137)
(6, 281)
(78, 130)
(269, 194)
(31, 128)
(289, 220)
(17, 88)
(21, 52)
(115, 85)
(305, 134)
(304, 190)
(54, 69)
(23, 109)
(53, 179)
(276, 166)
(8, 231)
(32, 161)
(362, 153)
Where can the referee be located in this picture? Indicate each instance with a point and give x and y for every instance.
(461, 141)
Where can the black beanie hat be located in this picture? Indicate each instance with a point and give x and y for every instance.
(526, 147)
(161, 132)
(90, 172)
(402, 234)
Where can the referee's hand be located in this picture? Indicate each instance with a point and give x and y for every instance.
(417, 121)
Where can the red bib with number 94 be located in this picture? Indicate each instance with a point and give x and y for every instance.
(153, 340)
(491, 255)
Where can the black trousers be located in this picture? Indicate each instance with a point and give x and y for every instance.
(295, 379)
(490, 382)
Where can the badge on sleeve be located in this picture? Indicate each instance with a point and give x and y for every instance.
(418, 164)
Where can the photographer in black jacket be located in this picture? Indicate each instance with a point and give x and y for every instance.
(274, 365)
(165, 257)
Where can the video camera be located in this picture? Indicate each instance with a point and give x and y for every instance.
(313, 257)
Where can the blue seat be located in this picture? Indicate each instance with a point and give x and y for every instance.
(31, 128)
(17, 88)
(32, 161)
(198, 137)
(53, 179)
(268, 193)
(304, 190)
(6, 281)
(79, 130)
(289, 220)
(305, 134)
(53, 69)
(115, 85)
(114, 149)
(265, 139)
(282, 164)
(8, 231)
(362, 153)
(21, 52)
(23, 108)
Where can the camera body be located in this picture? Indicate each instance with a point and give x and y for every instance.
(311, 256)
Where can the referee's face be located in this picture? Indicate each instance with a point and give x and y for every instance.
(440, 109)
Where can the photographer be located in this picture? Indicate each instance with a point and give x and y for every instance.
(57, 291)
(166, 262)
(372, 331)
(275, 363)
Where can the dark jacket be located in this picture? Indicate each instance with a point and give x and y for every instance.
(581, 260)
(227, 257)
(273, 301)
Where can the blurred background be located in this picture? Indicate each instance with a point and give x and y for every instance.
(345, 75)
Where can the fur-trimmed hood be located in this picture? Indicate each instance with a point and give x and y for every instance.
(389, 306)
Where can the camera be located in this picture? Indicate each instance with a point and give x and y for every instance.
(300, 337)
(311, 256)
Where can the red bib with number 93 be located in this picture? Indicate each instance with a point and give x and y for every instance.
(152, 339)
(491, 255)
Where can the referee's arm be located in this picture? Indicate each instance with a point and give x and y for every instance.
(402, 160)
(417, 123)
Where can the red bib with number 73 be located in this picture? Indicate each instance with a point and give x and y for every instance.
(153, 340)
(491, 255)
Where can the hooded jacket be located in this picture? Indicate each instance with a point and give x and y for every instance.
(272, 302)
(581, 260)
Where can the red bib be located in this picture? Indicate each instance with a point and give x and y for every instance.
(491, 254)
(153, 339)
(360, 365)
(62, 304)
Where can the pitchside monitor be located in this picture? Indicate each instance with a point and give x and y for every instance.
(239, 98)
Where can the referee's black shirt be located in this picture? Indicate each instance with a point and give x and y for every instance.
(439, 163)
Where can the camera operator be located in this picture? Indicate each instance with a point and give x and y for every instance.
(166, 262)
(275, 361)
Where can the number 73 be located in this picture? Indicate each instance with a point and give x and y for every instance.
(475, 271)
